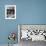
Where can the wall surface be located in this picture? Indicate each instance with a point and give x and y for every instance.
(27, 12)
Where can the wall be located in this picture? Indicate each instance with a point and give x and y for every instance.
(27, 12)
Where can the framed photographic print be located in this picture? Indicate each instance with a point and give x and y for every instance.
(10, 11)
(33, 32)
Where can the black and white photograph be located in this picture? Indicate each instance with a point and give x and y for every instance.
(31, 34)
(10, 11)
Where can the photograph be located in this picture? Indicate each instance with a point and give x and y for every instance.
(28, 33)
(10, 11)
